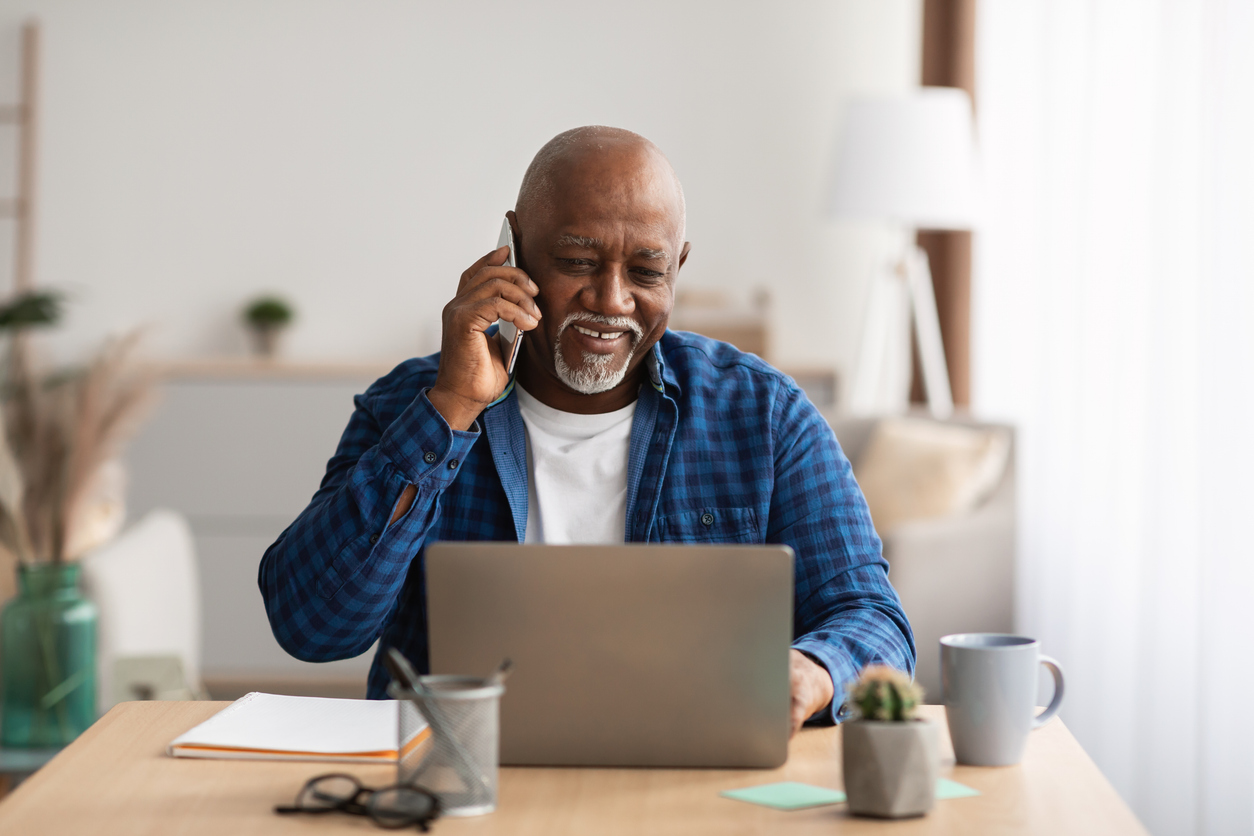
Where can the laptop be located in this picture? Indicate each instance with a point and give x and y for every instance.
(631, 655)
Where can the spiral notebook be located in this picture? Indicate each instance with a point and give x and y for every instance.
(272, 727)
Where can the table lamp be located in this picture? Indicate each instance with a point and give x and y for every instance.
(908, 160)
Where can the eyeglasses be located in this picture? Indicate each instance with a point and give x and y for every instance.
(401, 805)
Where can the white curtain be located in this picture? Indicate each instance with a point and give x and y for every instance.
(1114, 324)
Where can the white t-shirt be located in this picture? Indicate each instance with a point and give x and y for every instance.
(576, 473)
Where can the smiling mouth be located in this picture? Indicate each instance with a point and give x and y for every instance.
(598, 335)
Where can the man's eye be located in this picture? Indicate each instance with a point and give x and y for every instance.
(575, 262)
(648, 275)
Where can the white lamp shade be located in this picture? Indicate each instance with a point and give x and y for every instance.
(910, 160)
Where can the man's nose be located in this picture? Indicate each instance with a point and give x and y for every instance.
(609, 292)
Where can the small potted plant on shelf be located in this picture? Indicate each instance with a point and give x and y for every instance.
(266, 317)
(890, 757)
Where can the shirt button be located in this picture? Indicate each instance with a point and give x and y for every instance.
(452, 465)
(374, 538)
(428, 457)
(707, 519)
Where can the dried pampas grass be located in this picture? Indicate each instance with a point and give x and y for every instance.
(58, 436)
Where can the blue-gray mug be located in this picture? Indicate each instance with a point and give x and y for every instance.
(989, 686)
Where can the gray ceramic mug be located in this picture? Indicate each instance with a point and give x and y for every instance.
(989, 684)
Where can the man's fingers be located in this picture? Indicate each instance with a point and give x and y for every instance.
(496, 258)
(798, 716)
(797, 705)
(811, 686)
(488, 311)
(504, 289)
(483, 262)
(495, 271)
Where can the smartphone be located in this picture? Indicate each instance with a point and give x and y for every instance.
(507, 332)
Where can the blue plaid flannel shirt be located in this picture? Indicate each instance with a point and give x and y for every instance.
(718, 433)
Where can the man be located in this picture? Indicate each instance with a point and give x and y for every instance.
(613, 429)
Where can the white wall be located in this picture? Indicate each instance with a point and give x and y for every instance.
(356, 156)
(257, 449)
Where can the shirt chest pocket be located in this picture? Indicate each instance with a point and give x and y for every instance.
(710, 525)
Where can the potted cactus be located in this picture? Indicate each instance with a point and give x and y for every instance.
(890, 757)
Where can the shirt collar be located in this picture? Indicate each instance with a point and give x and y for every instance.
(661, 375)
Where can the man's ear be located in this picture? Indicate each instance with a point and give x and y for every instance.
(683, 254)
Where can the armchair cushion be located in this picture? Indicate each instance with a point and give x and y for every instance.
(917, 469)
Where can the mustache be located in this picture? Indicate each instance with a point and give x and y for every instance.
(618, 323)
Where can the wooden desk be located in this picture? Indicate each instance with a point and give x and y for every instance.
(117, 779)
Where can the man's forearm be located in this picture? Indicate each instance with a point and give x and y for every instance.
(331, 579)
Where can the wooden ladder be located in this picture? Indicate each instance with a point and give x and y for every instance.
(25, 115)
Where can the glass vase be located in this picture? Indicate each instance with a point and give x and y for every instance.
(48, 657)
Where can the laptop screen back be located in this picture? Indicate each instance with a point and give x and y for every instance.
(632, 655)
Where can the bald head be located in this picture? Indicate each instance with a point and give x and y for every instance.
(595, 150)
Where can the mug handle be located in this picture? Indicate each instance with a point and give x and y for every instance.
(1059, 689)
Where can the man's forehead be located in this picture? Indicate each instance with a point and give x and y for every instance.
(614, 209)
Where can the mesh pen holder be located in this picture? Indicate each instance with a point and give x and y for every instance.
(457, 759)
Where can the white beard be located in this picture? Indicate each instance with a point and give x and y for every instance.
(595, 374)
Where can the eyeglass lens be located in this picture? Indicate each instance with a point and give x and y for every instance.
(329, 791)
(401, 806)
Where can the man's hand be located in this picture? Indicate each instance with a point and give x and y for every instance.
(811, 687)
(472, 373)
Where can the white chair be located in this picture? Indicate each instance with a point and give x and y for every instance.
(146, 586)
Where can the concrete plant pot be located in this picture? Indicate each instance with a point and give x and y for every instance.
(266, 339)
(890, 767)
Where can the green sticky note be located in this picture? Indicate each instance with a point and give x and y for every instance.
(786, 795)
(946, 788)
